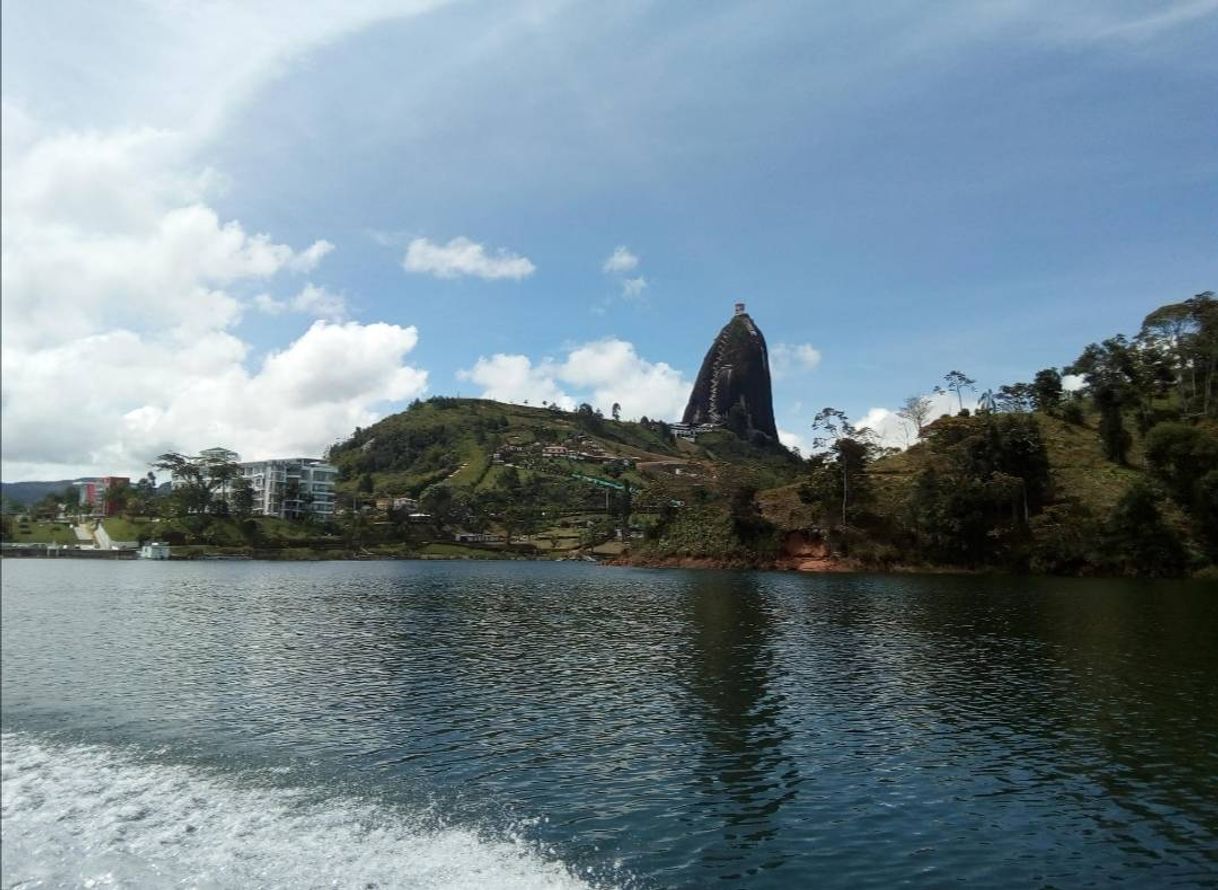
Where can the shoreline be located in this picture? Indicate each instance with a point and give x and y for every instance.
(801, 564)
(808, 565)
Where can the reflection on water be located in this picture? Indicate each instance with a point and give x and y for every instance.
(643, 727)
(746, 774)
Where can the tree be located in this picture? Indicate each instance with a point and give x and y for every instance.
(1187, 333)
(1113, 376)
(1207, 510)
(49, 506)
(1139, 540)
(1179, 455)
(1115, 438)
(191, 492)
(984, 480)
(518, 519)
(117, 497)
(199, 483)
(851, 450)
(439, 503)
(242, 498)
(616, 411)
(588, 418)
(1047, 389)
(1017, 398)
(957, 382)
(916, 409)
(949, 515)
(144, 495)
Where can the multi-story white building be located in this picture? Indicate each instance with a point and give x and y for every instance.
(291, 488)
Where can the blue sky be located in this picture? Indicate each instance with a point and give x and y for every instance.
(895, 192)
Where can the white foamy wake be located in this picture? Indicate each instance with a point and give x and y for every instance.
(91, 817)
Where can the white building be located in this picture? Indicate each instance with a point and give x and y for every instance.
(292, 487)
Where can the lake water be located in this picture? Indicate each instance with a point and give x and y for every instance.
(443, 724)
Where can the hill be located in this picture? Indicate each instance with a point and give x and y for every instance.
(28, 493)
(471, 444)
(1014, 490)
(1024, 491)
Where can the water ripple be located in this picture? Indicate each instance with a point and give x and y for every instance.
(652, 728)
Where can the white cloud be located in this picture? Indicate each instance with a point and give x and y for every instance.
(320, 303)
(462, 257)
(268, 305)
(1073, 382)
(121, 295)
(632, 288)
(610, 370)
(514, 378)
(620, 261)
(618, 266)
(892, 431)
(786, 358)
(312, 300)
(887, 428)
(307, 260)
(113, 401)
(122, 287)
(795, 440)
(174, 65)
(103, 231)
(602, 372)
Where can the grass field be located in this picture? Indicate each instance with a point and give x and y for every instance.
(43, 533)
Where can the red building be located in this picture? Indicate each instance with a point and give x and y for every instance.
(93, 493)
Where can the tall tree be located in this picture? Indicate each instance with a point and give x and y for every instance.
(117, 496)
(1113, 374)
(850, 448)
(957, 382)
(242, 498)
(1047, 389)
(200, 484)
(1016, 398)
(145, 495)
(916, 410)
(1187, 334)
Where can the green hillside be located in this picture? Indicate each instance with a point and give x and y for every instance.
(1022, 491)
(1011, 490)
(1078, 470)
(1116, 473)
(471, 444)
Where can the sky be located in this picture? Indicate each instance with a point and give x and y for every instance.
(260, 225)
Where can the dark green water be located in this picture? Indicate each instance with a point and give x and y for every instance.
(517, 724)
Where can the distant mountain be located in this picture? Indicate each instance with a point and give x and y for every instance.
(27, 493)
(733, 385)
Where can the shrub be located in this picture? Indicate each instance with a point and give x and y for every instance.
(1139, 541)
